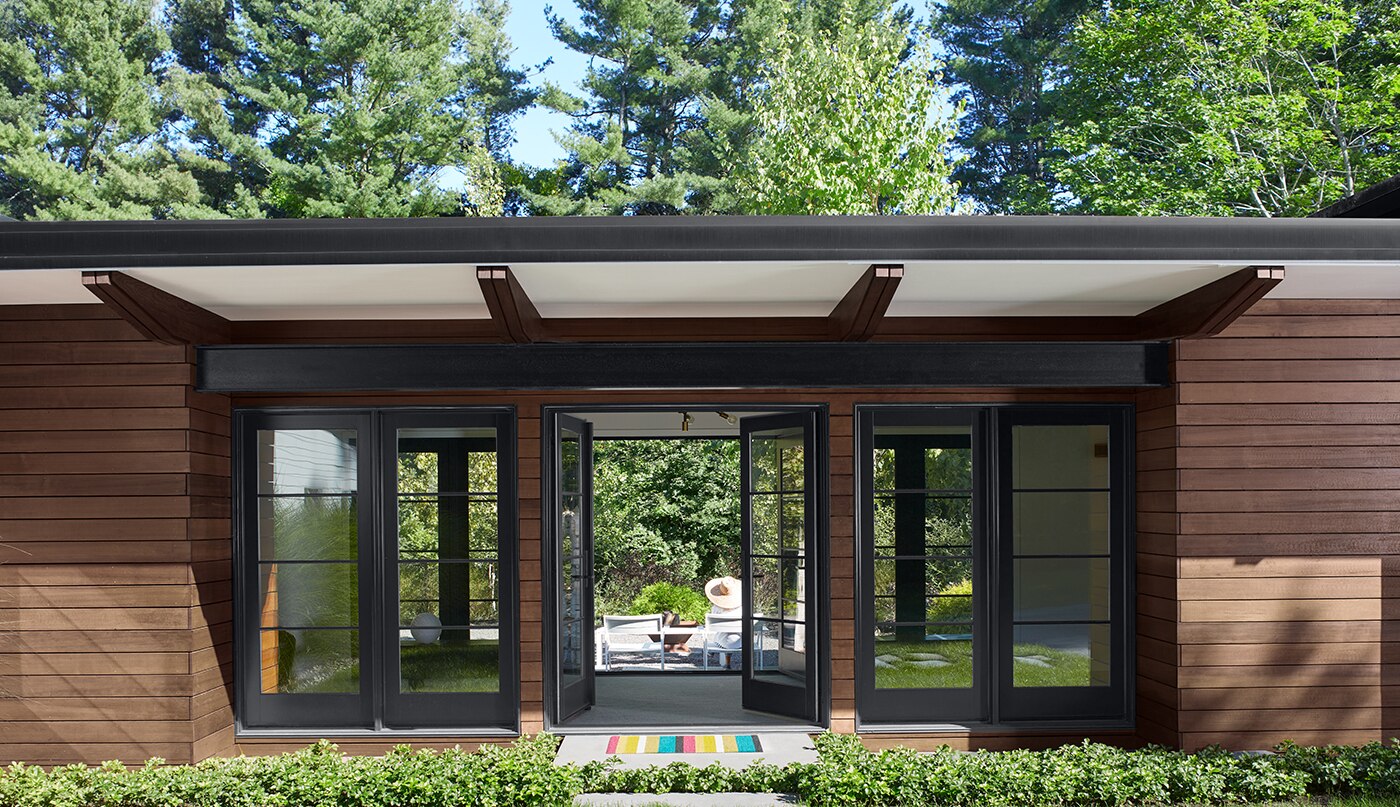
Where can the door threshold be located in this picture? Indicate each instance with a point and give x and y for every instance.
(690, 729)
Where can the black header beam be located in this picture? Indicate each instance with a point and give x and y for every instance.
(284, 368)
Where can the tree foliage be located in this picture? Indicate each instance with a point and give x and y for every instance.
(84, 100)
(1004, 58)
(664, 511)
(1230, 107)
(851, 120)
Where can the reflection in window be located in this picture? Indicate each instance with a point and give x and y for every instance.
(1060, 566)
(923, 539)
(448, 561)
(308, 552)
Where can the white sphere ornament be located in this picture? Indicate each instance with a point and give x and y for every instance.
(426, 628)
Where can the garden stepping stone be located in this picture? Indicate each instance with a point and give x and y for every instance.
(1034, 661)
(928, 656)
(888, 658)
(883, 664)
(933, 662)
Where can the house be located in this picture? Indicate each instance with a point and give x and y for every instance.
(1009, 482)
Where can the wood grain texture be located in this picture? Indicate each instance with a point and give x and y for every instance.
(1286, 451)
(114, 537)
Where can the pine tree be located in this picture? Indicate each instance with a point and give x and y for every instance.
(83, 114)
(350, 107)
(1003, 59)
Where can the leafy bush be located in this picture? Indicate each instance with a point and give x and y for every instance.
(686, 602)
(523, 773)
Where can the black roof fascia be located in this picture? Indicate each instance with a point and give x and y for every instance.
(1380, 201)
(134, 244)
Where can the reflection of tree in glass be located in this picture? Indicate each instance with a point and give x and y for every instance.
(419, 527)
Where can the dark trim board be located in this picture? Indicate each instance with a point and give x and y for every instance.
(579, 239)
(247, 368)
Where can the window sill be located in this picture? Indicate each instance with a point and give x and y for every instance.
(333, 734)
(991, 729)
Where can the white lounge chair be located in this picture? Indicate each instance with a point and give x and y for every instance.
(618, 630)
(717, 626)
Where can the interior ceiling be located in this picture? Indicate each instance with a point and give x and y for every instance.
(664, 424)
(757, 289)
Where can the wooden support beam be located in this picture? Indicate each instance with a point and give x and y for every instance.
(157, 314)
(1208, 310)
(857, 317)
(515, 316)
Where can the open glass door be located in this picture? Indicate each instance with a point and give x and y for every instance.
(779, 458)
(573, 526)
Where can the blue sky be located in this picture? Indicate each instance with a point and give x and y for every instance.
(534, 143)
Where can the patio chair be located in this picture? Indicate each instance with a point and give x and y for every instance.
(618, 629)
(716, 628)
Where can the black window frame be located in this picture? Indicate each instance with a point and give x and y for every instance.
(375, 710)
(1000, 704)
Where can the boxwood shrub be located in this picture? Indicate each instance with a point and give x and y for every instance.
(524, 774)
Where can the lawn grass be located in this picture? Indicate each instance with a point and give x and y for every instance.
(445, 667)
(1061, 668)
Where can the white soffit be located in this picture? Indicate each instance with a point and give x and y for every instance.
(440, 291)
(741, 289)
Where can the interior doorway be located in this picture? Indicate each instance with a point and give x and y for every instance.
(686, 566)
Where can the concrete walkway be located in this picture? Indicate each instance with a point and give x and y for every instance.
(684, 799)
(778, 749)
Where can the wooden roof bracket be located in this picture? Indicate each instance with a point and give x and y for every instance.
(857, 317)
(515, 316)
(157, 314)
(1211, 308)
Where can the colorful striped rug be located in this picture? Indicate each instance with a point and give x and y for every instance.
(684, 744)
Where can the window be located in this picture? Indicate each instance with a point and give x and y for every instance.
(992, 564)
(376, 570)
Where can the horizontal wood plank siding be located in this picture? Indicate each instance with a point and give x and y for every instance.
(115, 574)
(1287, 565)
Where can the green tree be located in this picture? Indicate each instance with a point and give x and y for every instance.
(664, 511)
(851, 121)
(1230, 107)
(83, 114)
(1004, 57)
(350, 107)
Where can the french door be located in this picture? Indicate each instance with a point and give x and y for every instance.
(573, 526)
(780, 595)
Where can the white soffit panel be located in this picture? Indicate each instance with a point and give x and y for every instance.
(1050, 289)
(749, 289)
(43, 287)
(383, 291)
(1354, 281)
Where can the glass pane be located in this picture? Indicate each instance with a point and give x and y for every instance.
(301, 661)
(794, 523)
(447, 527)
(571, 524)
(437, 660)
(764, 516)
(1073, 523)
(794, 588)
(792, 462)
(1059, 456)
(779, 651)
(302, 595)
(571, 650)
(767, 587)
(884, 469)
(763, 459)
(952, 576)
(1061, 589)
(307, 461)
(450, 460)
(948, 468)
(924, 657)
(948, 525)
(570, 480)
(311, 528)
(1061, 655)
(884, 525)
(446, 592)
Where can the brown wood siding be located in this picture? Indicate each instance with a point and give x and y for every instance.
(1268, 512)
(115, 585)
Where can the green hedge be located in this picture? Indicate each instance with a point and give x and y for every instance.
(524, 774)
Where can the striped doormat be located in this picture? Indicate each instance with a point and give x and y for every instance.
(684, 744)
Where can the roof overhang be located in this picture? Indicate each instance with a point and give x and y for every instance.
(692, 278)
